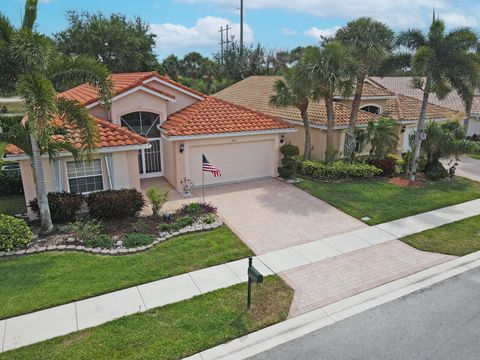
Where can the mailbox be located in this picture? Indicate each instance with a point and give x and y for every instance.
(254, 275)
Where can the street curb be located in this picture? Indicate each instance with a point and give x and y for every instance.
(272, 336)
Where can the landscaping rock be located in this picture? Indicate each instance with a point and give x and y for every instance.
(122, 251)
(70, 240)
(61, 247)
(80, 248)
(132, 250)
(105, 251)
(19, 252)
(71, 247)
(114, 252)
(51, 247)
(96, 250)
(119, 243)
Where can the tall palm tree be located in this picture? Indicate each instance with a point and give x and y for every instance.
(333, 69)
(39, 71)
(446, 62)
(296, 90)
(370, 42)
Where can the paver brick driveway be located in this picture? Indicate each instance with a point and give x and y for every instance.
(272, 214)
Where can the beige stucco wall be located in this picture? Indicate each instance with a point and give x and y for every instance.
(182, 100)
(169, 160)
(99, 112)
(125, 165)
(138, 101)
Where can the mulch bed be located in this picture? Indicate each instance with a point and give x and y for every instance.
(405, 182)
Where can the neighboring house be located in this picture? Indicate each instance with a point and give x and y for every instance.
(156, 127)
(377, 101)
(402, 85)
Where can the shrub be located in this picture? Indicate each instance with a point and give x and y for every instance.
(10, 182)
(115, 204)
(435, 171)
(338, 170)
(157, 198)
(140, 226)
(407, 159)
(63, 206)
(289, 150)
(197, 209)
(137, 239)
(289, 161)
(209, 219)
(177, 225)
(86, 230)
(14, 233)
(387, 166)
(399, 164)
(101, 241)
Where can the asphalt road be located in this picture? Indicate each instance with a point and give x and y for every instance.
(439, 323)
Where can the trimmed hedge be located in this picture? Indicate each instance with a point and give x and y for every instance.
(10, 182)
(337, 170)
(14, 233)
(115, 204)
(63, 206)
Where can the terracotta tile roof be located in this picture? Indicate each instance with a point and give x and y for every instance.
(86, 94)
(408, 109)
(111, 135)
(216, 116)
(402, 85)
(255, 91)
(370, 90)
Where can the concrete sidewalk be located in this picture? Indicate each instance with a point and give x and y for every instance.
(42, 325)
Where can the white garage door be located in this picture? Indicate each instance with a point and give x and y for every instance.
(236, 161)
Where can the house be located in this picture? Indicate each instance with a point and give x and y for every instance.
(156, 127)
(377, 101)
(402, 85)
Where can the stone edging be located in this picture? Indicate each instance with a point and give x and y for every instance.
(115, 252)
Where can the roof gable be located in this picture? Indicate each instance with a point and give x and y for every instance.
(215, 116)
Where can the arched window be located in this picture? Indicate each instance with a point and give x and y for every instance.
(371, 109)
(142, 123)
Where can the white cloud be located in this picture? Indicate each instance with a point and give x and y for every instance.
(288, 32)
(319, 33)
(203, 34)
(397, 13)
(456, 19)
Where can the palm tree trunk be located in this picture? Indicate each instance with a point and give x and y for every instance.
(45, 218)
(308, 136)
(421, 125)
(350, 134)
(330, 151)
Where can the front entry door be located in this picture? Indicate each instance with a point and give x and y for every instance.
(146, 124)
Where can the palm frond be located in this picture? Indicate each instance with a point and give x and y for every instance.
(39, 96)
(411, 39)
(66, 72)
(282, 96)
(30, 50)
(78, 117)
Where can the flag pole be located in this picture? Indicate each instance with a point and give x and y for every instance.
(203, 180)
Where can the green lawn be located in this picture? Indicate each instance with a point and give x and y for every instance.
(35, 282)
(475, 156)
(15, 107)
(382, 201)
(2, 149)
(173, 331)
(12, 204)
(459, 238)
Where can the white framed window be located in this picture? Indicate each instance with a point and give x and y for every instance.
(372, 109)
(85, 176)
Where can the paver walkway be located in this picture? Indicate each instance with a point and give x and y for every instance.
(327, 281)
(30, 328)
(272, 214)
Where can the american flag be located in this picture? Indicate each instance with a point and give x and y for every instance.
(210, 168)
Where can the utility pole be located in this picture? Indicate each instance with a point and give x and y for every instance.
(221, 44)
(223, 41)
(241, 27)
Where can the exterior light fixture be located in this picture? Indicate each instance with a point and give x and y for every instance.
(182, 148)
(404, 128)
(282, 139)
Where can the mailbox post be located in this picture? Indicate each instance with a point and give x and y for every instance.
(253, 276)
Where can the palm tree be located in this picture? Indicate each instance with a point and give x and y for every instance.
(296, 90)
(333, 69)
(370, 42)
(40, 70)
(446, 62)
(382, 137)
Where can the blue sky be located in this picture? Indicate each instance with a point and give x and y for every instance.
(186, 25)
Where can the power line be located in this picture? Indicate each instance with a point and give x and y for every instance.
(224, 41)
